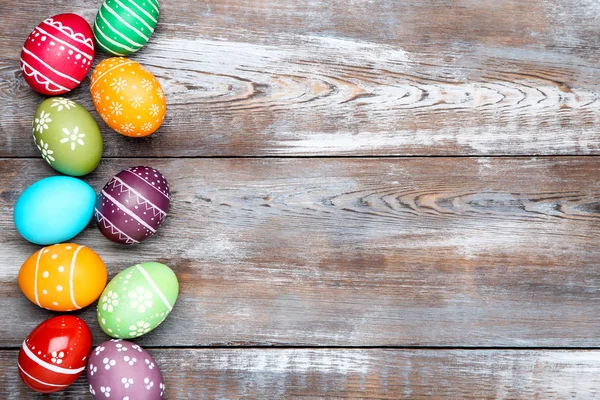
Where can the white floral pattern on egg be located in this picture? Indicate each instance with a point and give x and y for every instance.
(116, 370)
(137, 300)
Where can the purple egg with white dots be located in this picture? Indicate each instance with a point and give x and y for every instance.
(132, 205)
(118, 369)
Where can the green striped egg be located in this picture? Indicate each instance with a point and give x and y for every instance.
(124, 26)
(137, 300)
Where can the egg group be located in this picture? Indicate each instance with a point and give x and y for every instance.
(54, 354)
(67, 136)
(124, 26)
(132, 205)
(128, 97)
(63, 277)
(54, 209)
(55, 58)
(137, 300)
(123, 370)
(58, 54)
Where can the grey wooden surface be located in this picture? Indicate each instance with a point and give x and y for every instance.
(328, 78)
(360, 374)
(403, 196)
(356, 252)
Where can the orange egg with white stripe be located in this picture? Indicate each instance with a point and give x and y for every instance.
(63, 277)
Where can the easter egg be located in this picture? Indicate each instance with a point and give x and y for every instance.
(132, 205)
(128, 97)
(54, 210)
(137, 300)
(58, 54)
(124, 26)
(67, 136)
(63, 277)
(55, 353)
(123, 370)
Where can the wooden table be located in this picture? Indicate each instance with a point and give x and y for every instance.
(371, 198)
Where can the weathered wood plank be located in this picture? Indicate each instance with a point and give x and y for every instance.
(372, 374)
(418, 251)
(332, 78)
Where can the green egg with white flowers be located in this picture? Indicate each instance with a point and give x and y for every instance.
(67, 136)
(137, 300)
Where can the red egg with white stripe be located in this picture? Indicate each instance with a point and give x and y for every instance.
(58, 54)
(133, 205)
(55, 353)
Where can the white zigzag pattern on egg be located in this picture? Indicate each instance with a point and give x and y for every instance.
(113, 229)
(79, 37)
(45, 80)
(140, 200)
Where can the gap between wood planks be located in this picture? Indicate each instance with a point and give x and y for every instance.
(293, 157)
(375, 347)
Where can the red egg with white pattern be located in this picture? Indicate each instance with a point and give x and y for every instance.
(58, 54)
(55, 353)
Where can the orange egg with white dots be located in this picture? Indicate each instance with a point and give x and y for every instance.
(63, 277)
(128, 97)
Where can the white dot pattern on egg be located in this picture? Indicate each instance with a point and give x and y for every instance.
(54, 354)
(58, 54)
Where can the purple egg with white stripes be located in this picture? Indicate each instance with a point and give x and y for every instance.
(132, 205)
(118, 369)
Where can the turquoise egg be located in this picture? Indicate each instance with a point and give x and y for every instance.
(54, 210)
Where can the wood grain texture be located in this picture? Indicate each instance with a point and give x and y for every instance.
(366, 374)
(400, 252)
(442, 77)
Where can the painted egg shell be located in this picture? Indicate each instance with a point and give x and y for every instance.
(132, 205)
(124, 26)
(123, 370)
(137, 300)
(63, 277)
(54, 210)
(55, 353)
(67, 136)
(128, 97)
(58, 54)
